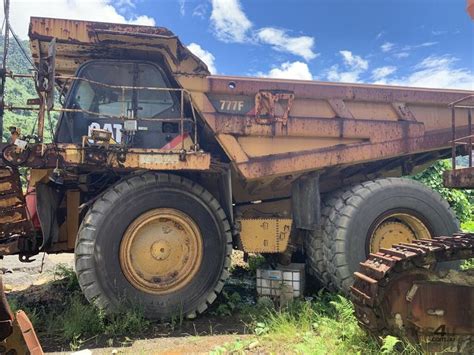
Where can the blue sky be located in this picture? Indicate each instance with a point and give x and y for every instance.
(402, 42)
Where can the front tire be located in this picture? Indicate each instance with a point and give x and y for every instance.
(157, 240)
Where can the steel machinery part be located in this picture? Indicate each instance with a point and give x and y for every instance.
(397, 291)
(17, 335)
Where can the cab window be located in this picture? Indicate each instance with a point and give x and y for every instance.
(104, 100)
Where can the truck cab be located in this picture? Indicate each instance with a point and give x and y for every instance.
(106, 93)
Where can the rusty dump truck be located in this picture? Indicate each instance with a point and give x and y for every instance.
(157, 170)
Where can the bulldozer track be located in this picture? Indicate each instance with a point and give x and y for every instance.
(13, 212)
(371, 292)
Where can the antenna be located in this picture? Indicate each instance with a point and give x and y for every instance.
(3, 70)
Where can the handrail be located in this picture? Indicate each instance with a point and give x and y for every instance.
(123, 114)
(458, 141)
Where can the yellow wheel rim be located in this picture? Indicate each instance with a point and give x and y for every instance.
(397, 228)
(161, 251)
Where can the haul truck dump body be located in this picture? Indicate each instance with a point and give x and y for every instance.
(158, 169)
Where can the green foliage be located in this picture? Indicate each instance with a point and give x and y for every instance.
(68, 276)
(468, 226)
(325, 325)
(229, 303)
(460, 200)
(18, 91)
(389, 345)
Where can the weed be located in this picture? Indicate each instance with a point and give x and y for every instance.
(254, 262)
(239, 346)
(229, 304)
(76, 343)
(467, 264)
(389, 344)
(81, 319)
(126, 322)
(326, 325)
(66, 274)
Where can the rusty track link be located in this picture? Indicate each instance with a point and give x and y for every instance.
(13, 213)
(387, 281)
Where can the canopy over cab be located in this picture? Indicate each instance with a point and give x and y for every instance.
(80, 41)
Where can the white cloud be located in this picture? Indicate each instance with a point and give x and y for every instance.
(354, 61)
(382, 72)
(290, 70)
(380, 34)
(93, 10)
(401, 55)
(334, 74)
(229, 22)
(282, 42)
(354, 64)
(200, 10)
(182, 7)
(437, 72)
(206, 56)
(416, 46)
(387, 47)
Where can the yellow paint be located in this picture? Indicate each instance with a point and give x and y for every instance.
(161, 251)
(265, 235)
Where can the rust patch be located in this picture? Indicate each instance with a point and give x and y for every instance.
(266, 110)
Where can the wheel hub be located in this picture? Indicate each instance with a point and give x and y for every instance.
(161, 251)
(397, 228)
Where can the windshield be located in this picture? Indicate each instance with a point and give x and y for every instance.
(110, 101)
(100, 102)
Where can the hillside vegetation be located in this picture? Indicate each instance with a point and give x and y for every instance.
(18, 90)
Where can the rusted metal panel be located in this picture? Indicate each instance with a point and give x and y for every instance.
(459, 178)
(153, 159)
(403, 111)
(376, 131)
(79, 41)
(326, 91)
(13, 215)
(470, 8)
(339, 155)
(435, 305)
(340, 108)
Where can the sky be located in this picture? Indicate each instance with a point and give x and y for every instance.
(424, 43)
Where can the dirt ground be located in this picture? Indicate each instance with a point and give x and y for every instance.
(202, 335)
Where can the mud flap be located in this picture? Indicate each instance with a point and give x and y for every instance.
(306, 202)
(47, 202)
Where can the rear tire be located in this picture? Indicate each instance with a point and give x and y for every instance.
(106, 264)
(314, 245)
(347, 229)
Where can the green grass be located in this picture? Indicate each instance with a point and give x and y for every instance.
(324, 325)
(68, 318)
(468, 226)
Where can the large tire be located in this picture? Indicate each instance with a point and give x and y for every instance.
(99, 260)
(314, 245)
(351, 214)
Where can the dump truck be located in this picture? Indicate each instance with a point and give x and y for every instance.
(157, 169)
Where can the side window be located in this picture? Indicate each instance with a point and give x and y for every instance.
(152, 102)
